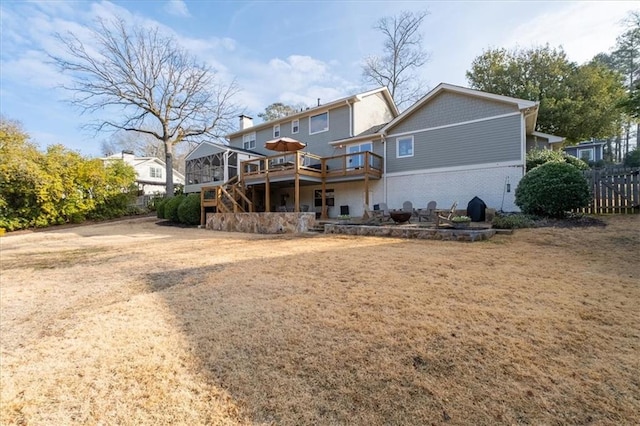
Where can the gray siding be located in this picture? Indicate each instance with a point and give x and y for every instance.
(476, 143)
(203, 150)
(573, 150)
(316, 144)
(450, 108)
(537, 142)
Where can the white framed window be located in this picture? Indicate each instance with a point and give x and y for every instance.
(155, 172)
(404, 146)
(276, 131)
(295, 126)
(319, 123)
(586, 154)
(249, 141)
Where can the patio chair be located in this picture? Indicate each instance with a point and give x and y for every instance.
(446, 215)
(382, 211)
(427, 214)
(407, 206)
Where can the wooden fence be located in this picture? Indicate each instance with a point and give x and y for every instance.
(613, 191)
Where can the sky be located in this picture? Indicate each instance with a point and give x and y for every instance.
(280, 51)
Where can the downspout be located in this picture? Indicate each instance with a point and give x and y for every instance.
(384, 169)
(350, 105)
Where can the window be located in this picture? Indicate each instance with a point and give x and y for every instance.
(249, 141)
(319, 123)
(155, 172)
(586, 154)
(276, 131)
(295, 126)
(404, 146)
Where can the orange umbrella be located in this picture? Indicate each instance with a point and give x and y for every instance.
(284, 144)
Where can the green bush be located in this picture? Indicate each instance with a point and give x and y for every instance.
(514, 221)
(552, 189)
(171, 208)
(189, 210)
(538, 157)
(632, 159)
(160, 204)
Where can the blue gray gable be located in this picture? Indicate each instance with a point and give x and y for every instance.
(450, 108)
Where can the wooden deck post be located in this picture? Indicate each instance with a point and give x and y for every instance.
(267, 194)
(323, 214)
(296, 190)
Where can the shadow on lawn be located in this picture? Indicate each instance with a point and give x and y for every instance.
(291, 347)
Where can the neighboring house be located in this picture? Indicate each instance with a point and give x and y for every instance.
(453, 144)
(589, 151)
(150, 172)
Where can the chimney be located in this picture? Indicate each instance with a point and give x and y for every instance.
(245, 122)
(318, 101)
(128, 156)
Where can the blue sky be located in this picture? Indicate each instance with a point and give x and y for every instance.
(281, 51)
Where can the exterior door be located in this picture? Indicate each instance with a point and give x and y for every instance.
(358, 160)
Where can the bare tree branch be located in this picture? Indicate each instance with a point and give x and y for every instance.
(149, 83)
(403, 55)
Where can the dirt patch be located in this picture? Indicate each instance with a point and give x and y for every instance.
(134, 323)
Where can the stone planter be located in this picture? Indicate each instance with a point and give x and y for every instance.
(461, 225)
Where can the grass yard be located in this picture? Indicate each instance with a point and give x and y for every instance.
(134, 323)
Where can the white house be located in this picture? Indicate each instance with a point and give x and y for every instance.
(150, 172)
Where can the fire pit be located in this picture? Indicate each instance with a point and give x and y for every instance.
(400, 216)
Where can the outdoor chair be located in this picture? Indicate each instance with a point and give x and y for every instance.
(445, 215)
(428, 213)
(407, 206)
(383, 211)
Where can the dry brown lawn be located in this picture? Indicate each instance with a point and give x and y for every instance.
(135, 323)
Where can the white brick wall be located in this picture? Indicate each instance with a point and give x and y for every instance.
(445, 187)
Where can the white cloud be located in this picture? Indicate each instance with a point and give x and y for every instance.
(177, 8)
(295, 80)
(583, 29)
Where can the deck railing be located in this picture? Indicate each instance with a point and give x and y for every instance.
(304, 163)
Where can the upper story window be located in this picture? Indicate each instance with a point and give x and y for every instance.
(319, 123)
(276, 131)
(404, 146)
(295, 126)
(249, 141)
(155, 172)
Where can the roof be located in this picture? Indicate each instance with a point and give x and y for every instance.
(550, 138)
(367, 134)
(319, 109)
(530, 108)
(137, 161)
(223, 147)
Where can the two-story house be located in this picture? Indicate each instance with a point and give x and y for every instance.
(452, 145)
(150, 172)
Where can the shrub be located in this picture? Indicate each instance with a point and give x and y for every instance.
(538, 157)
(160, 204)
(632, 159)
(189, 210)
(171, 208)
(513, 221)
(552, 189)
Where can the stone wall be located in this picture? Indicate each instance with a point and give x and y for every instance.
(400, 231)
(261, 223)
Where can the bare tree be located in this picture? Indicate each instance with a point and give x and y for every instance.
(403, 55)
(149, 85)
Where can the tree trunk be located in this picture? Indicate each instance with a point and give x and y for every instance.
(168, 159)
(618, 148)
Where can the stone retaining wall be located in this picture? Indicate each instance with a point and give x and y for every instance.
(400, 231)
(261, 223)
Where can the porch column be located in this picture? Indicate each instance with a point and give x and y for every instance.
(323, 214)
(267, 194)
(296, 190)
